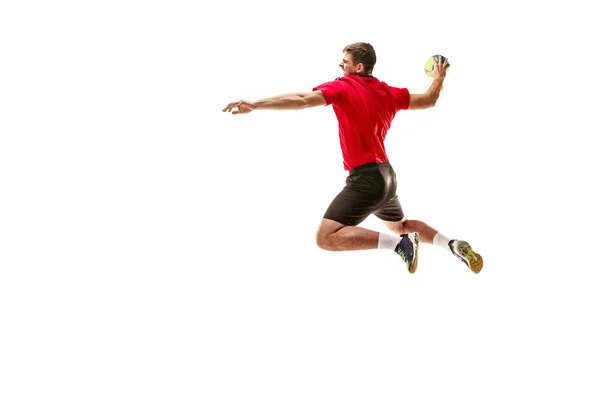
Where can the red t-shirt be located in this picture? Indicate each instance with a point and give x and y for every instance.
(365, 108)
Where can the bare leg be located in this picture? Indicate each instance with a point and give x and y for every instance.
(426, 233)
(334, 236)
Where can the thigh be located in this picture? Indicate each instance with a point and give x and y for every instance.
(328, 227)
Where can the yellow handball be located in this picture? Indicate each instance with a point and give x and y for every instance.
(430, 64)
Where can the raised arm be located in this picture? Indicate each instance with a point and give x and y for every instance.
(429, 98)
(290, 101)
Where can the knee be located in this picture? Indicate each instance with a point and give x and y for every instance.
(327, 233)
(398, 227)
(324, 240)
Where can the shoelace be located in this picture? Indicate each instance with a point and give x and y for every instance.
(465, 250)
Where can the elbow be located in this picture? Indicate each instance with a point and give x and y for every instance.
(295, 103)
(433, 99)
(306, 102)
(303, 103)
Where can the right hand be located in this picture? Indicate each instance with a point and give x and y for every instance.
(439, 70)
(243, 107)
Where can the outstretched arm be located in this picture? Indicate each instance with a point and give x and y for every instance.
(430, 97)
(290, 101)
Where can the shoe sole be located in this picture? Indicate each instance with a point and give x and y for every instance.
(412, 268)
(477, 264)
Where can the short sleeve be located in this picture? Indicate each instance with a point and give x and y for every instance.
(402, 97)
(332, 91)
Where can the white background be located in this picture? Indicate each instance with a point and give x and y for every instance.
(154, 247)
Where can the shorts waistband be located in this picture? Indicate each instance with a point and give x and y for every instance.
(369, 167)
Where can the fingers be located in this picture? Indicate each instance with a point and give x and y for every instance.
(231, 106)
(444, 64)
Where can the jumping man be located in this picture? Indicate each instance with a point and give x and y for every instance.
(365, 108)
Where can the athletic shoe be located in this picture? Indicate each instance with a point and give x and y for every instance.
(465, 253)
(408, 249)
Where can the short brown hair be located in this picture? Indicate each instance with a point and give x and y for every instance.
(362, 53)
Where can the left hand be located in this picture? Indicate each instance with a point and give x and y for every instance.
(243, 107)
(439, 70)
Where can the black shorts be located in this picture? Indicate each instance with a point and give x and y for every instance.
(370, 189)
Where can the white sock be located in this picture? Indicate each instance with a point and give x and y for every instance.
(387, 241)
(441, 240)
